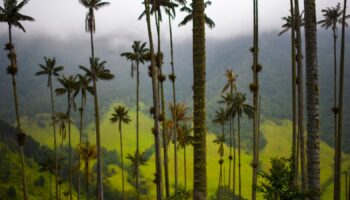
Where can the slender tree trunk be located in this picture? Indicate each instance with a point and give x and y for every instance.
(13, 64)
(50, 185)
(256, 101)
(312, 100)
(54, 137)
(230, 156)
(199, 113)
(220, 182)
(156, 130)
(295, 155)
(346, 185)
(69, 149)
(80, 140)
(234, 159)
(338, 161)
(185, 168)
(239, 159)
(174, 101)
(121, 157)
(137, 128)
(87, 178)
(300, 99)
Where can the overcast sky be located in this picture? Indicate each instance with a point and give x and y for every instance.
(65, 18)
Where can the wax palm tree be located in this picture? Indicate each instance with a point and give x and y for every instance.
(50, 69)
(332, 17)
(139, 158)
(69, 85)
(121, 116)
(83, 87)
(90, 26)
(230, 86)
(10, 14)
(137, 56)
(288, 21)
(315, 183)
(199, 111)
(184, 139)
(189, 17)
(220, 118)
(238, 108)
(48, 165)
(87, 153)
(156, 5)
(312, 103)
(155, 110)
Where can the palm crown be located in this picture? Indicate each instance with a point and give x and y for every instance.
(220, 117)
(120, 115)
(90, 25)
(220, 140)
(140, 157)
(231, 77)
(49, 69)
(156, 6)
(98, 70)
(138, 55)
(10, 13)
(62, 120)
(332, 16)
(288, 23)
(189, 9)
(239, 106)
(83, 86)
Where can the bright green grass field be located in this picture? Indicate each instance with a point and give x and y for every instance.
(278, 136)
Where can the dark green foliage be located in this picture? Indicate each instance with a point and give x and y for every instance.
(226, 194)
(11, 192)
(181, 194)
(278, 182)
(40, 182)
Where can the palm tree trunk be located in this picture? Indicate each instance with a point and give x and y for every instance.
(300, 100)
(346, 185)
(295, 156)
(185, 168)
(234, 159)
(97, 126)
(338, 161)
(255, 101)
(199, 89)
(239, 159)
(174, 100)
(230, 156)
(312, 100)
(121, 157)
(220, 182)
(24, 181)
(87, 177)
(54, 137)
(137, 128)
(69, 149)
(80, 140)
(50, 185)
(156, 130)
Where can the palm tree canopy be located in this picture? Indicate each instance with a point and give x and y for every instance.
(97, 70)
(138, 55)
(9, 13)
(239, 106)
(47, 165)
(87, 151)
(50, 69)
(180, 112)
(120, 115)
(61, 119)
(288, 23)
(184, 136)
(220, 140)
(141, 158)
(91, 5)
(231, 77)
(156, 6)
(189, 9)
(220, 117)
(84, 87)
(69, 86)
(332, 17)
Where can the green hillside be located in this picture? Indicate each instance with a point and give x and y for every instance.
(276, 133)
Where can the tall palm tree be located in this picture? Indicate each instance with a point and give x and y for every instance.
(220, 118)
(83, 87)
(97, 72)
(10, 14)
(142, 161)
(300, 83)
(332, 17)
(230, 85)
(69, 85)
(189, 17)
(87, 153)
(254, 87)
(155, 110)
(50, 69)
(120, 116)
(338, 162)
(312, 100)
(90, 26)
(238, 108)
(184, 139)
(137, 56)
(199, 113)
